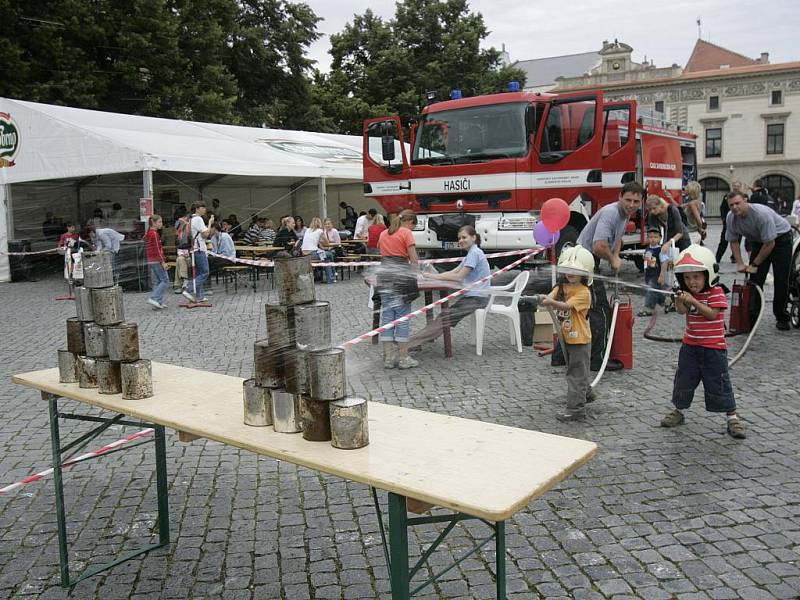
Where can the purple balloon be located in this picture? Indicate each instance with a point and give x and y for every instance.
(543, 236)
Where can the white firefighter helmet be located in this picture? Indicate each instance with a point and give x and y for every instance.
(577, 260)
(697, 258)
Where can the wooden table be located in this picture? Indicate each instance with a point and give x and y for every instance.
(475, 469)
(427, 287)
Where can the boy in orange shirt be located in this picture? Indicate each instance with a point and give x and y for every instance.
(572, 301)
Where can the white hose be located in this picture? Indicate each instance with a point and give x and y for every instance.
(608, 345)
(741, 352)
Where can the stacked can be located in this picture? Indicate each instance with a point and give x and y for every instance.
(102, 349)
(299, 379)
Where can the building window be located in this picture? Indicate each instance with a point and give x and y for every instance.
(776, 98)
(714, 142)
(775, 138)
(713, 103)
(660, 106)
(714, 190)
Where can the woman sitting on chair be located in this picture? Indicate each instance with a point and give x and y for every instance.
(473, 267)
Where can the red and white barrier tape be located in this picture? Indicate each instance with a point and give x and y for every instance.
(439, 302)
(365, 263)
(77, 459)
(50, 251)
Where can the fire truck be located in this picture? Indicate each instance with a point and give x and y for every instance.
(492, 161)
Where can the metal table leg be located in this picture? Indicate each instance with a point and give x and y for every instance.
(500, 551)
(397, 551)
(398, 547)
(55, 442)
(58, 453)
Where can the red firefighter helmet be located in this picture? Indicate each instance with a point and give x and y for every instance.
(697, 258)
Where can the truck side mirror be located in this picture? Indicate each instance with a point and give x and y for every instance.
(387, 148)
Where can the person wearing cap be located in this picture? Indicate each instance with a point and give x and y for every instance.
(770, 239)
(571, 299)
(703, 355)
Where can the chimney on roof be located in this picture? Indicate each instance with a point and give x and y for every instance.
(764, 60)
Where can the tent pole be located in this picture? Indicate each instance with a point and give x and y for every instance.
(6, 231)
(323, 198)
(147, 190)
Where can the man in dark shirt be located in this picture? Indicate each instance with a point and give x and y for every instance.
(760, 195)
(771, 244)
(350, 216)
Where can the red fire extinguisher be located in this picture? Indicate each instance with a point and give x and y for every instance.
(741, 297)
(622, 342)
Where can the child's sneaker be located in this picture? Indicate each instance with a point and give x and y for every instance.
(736, 428)
(407, 363)
(568, 416)
(154, 303)
(673, 419)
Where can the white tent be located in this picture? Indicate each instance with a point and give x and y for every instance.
(40, 142)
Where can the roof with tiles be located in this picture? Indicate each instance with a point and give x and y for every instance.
(708, 57)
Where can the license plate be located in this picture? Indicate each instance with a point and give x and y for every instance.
(450, 246)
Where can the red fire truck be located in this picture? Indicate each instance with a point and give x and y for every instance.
(491, 161)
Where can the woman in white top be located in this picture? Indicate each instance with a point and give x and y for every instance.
(315, 242)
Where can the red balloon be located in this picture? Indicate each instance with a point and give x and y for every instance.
(555, 214)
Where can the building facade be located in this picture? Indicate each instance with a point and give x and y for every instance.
(745, 112)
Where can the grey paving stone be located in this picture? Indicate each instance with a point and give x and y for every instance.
(684, 513)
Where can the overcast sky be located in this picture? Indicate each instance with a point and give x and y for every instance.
(664, 30)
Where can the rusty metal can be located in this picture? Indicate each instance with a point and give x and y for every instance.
(285, 411)
(280, 325)
(83, 304)
(326, 374)
(122, 342)
(98, 271)
(349, 423)
(67, 367)
(109, 376)
(107, 305)
(313, 326)
(94, 337)
(75, 341)
(87, 372)
(257, 404)
(137, 379)
(268, 362)
(295, 280)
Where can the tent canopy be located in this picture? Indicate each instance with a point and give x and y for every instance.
(58, 142)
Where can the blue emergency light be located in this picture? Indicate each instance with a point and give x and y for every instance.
(455, 94)
(513, 86)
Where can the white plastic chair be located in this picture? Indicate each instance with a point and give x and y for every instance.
(512, 291)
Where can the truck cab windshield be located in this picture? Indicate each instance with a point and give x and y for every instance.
(474, 134)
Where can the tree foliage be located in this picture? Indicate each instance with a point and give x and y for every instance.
(430, 46)
(241, 61)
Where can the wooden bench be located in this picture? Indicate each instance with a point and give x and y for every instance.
(232, 273)
(475, 469)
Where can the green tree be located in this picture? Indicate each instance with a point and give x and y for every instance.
(382, 67)
(146, 71)
(268, 58)
(48, 52)
(205, 37)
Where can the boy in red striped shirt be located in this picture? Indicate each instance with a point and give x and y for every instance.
(704, 353)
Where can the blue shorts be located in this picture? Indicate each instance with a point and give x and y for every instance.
(696, 364)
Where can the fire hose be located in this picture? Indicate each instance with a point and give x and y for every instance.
(742, 350)
(563, 344)
(602, 370)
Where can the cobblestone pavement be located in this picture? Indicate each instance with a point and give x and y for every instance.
(684, 513)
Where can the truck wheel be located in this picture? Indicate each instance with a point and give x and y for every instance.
(569, 235)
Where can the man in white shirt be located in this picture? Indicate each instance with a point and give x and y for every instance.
(363, 223)
(199, 233)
